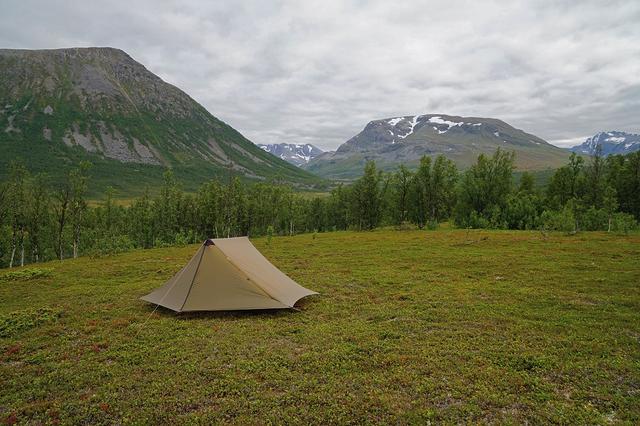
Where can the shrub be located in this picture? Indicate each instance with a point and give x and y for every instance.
(17, 321)
(26, 274)
(184, 238)
(563, 220)
(474, 221)
(432, 225)
(623, 223)
(595, 220)
(269, 234)
(112, 244)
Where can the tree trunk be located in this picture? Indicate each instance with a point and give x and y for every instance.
(60, 231)
(22, 255)
(60, 247)
(13, 254)
(609, 227)
(14, 244)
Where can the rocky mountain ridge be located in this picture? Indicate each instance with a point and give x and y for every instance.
(296, 154)
(63, 105)
(404, 140)
(611, 143)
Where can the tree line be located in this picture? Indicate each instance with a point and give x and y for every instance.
(39, 223)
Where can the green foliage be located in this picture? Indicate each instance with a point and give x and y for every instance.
(16, 322)
(38, 222)
(432, 191)
(484, 190)
(563, 220)
(269, 234)
(367, 198)
(623, 223)
(401, 194)
(110, 244)
(567, 183)
(26, 274)
(527, 183)
(594, 219)
(623, 175)
(522, 210)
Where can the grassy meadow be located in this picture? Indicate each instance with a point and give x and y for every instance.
(445, 326)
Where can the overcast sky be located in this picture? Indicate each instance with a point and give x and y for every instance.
(306, 71)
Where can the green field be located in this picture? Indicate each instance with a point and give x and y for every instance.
(449, 326)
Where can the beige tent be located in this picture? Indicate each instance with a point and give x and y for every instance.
(228, 274)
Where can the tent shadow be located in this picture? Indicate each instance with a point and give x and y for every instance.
(300, 307)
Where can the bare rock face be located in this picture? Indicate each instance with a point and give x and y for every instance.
(144, 153)
(101, 103)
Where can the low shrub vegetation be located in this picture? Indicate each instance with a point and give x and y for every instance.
(411, 327)
(13, 323)
(26, 274)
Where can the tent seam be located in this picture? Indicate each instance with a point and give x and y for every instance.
(193, 279)
(249, 278)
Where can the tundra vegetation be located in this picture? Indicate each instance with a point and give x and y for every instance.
(450, 326)
(39, 223)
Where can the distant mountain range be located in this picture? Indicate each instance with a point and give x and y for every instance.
(612, 143)
(404, 140)
(296, 154)
(58, 107)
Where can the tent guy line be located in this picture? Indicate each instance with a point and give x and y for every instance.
(152, 312)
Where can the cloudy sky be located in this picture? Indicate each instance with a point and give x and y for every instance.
(305, 71)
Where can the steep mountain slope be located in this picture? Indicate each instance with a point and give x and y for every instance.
(61, 106)
(296, 154)
(612, 143)
(404, 140)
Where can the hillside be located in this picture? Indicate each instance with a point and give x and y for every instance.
(472, 327)
(58, 107)
(404, 140)
(296, 154)
(612, 143)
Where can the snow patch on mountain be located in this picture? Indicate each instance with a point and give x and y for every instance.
(297, 154)
(395, 121)
(611, 143)
(449, 124)
(439, 120)
(414, 121)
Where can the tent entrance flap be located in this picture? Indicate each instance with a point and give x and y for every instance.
(228, 274)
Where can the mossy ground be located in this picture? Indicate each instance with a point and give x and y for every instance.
(410, 326)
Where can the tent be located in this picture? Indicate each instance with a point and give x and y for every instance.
(228, 274)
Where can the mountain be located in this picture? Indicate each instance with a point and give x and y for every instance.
(404, 140)
(296, 154)
(58, 107)
(612, 143)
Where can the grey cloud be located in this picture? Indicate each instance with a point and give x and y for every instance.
(318, 71)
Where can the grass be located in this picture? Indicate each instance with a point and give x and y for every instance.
(410, 327)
